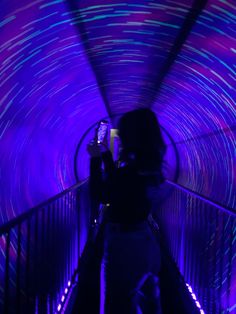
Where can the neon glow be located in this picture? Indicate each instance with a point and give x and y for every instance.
(195, 298)
(64, 298)
(63, 67)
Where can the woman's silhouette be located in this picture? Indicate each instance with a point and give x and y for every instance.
(131, 256)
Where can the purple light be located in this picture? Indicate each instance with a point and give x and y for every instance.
(189, 288)
(198, 304)
(63, 297)
(197, 93)
(193, 295)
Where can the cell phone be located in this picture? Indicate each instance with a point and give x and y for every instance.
(101, 131)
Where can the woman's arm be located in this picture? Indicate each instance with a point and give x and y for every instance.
(98, 179)
(109, 165)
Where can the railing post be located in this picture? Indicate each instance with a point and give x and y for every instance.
(182, 256)
(6, 296)
(27, 273)
(39, 256)
(18, 296)
(35, 267)
(53, 252)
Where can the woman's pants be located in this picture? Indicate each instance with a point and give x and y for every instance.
(130, 267)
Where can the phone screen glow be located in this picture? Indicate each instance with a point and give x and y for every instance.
(102, 130)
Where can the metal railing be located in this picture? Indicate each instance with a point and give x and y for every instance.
(39, 253)
(40, 249)
(200, 235)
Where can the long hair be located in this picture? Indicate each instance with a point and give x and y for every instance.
(142, 142)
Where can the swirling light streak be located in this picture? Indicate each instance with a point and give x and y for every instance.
(40, 58)
(197, 101)
(55, 60)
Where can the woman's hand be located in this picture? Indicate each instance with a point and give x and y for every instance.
(96, 149)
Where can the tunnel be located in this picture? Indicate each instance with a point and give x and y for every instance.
(67, 64)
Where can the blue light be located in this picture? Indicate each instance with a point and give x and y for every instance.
(193, 295)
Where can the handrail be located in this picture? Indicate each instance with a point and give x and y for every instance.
(225, 209)
(50, 256)
(19, 219)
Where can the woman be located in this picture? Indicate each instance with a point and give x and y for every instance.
(131, 258)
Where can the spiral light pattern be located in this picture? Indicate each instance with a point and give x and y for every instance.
(65, 64)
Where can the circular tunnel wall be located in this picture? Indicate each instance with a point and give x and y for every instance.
(197, 105)
(48, 96)
(66, 64)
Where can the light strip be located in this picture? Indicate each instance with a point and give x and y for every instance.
(63, 297)
(193, 295)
